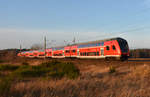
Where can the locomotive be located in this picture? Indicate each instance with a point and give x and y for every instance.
(113, 48)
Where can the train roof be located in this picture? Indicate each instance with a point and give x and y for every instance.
(99, 41)
(90, 42)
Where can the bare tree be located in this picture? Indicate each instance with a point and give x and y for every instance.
(37, 47)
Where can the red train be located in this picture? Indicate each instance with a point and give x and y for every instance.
(116, 48)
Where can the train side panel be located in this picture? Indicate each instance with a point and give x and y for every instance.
(58, 54)
(48, 53)
(112, 49)
(92, 52)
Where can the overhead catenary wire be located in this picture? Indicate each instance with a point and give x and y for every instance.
(106, 35)
(118, 33)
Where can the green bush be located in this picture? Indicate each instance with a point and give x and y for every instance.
(8, 67)
(29, 71)
(52, 69)
(5, 85)
(1, 61)
(63, 69)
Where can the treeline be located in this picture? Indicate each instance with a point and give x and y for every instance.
(10, 52)
(140, 53)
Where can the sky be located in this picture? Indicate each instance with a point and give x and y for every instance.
(26, 22)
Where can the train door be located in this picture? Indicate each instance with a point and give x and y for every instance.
(73, 51)
(102, 51)
(67, 51)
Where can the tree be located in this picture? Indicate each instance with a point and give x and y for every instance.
(37, 47)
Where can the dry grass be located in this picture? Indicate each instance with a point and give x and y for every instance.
(131, 79)
(133, 82)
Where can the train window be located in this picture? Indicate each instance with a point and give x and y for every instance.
(67, 51)
(123, 45)
(54, 54)
(92, 53)
(107, 47)
(83, 54)
(60, 54)
(73, 51)
(87, 54)
(41, 55)
(97, 53)
(35, 54)
(113, 47)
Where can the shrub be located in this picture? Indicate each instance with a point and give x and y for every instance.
(8, 67)
(52, 69)
(1, 61)
(30, 71)
(5, 85)
(50, 64)
(112, 69)
(64, 69)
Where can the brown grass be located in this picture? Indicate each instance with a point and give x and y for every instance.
(132, 82)
(131, 79)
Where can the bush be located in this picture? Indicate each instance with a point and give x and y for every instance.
(64, 69)
(8, 67)
(112, 69)
(52, 69)
(1, 61)
(5, 85)
(29, 71)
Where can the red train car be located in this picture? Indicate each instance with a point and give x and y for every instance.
(58, 52)
(71, 51)
(48, 53)
(41, 53)
(35, 54)
(108, 48)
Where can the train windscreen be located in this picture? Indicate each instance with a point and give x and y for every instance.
(123, 45)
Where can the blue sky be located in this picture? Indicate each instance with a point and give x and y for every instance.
(27, 21)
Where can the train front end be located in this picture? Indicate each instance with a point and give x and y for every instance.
(124, 48)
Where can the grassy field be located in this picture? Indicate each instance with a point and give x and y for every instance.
(11, 74)
(74, 78)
